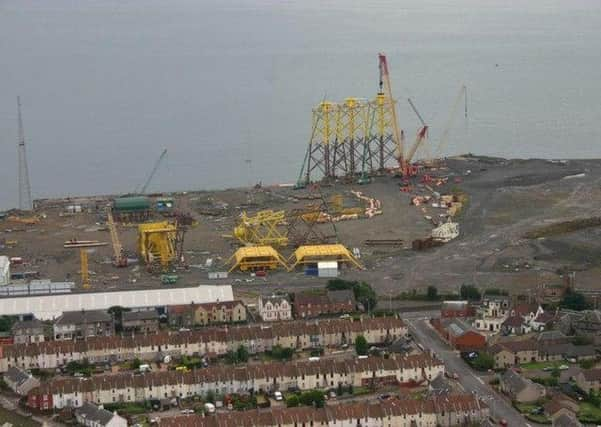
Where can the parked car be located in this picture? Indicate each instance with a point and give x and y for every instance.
(278, 396)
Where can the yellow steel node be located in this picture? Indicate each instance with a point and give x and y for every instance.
(312, 254)
(85, 274)
(256, 258)
(156, 243)
(261, 229)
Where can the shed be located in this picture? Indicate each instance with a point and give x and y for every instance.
(131, 204)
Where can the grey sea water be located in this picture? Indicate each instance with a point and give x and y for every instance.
(105, 85)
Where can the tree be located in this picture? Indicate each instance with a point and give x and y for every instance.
(432, 293)
(210, 397)
(469, 292)
(361, 346)
(364, 293)
(293, 401)
(573, 300)
(242, 354)
(313, 398)
(6, 323)
(483, 362)
(135, 364)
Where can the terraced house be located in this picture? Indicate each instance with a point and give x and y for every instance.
(447, 411)
(209, 342)
(305, 375)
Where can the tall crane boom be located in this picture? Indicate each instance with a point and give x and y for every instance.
(385, 80)
(119, 258)
(153, 171)
(421, 134)
(445, 134)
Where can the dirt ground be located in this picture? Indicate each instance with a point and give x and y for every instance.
(507, 198)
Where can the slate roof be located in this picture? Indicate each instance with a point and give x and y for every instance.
(27, 324)
(514, 321)
(92, 412)
(566, 420)
(342, 296)
(16, 375)
(514, 382)
(128, 316)
(83, 316)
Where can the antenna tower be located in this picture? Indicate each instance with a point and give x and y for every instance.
(24, 187)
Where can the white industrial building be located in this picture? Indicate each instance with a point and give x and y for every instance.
(4, 270)
(45, 307)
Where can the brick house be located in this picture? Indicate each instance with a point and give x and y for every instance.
(460, 334)
(520, 389)
(220, 312)
(189, 315)
(456, 309)
(589, 380)
(308, 305)
(510, 353)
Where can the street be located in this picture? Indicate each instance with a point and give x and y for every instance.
(499, 407)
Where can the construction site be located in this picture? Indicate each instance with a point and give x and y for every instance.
(369, 203)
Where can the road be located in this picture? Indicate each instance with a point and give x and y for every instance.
(499, 407)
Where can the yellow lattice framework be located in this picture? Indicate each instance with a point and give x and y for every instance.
(256, 258)
(312, 254)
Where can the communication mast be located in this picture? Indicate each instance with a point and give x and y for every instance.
(24, 186)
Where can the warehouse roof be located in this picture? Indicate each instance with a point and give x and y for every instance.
(47, 307)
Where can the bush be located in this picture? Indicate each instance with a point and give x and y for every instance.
(483, 362)
(432, 293)
(573, 300)
(293, 401)
(281, 353)
(314, 398)
(587, 364)
(470, 292)
(361, 346)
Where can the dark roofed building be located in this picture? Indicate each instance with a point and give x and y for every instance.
(90, 415)
(333, 302)
(83, 324)
(28, 331)
(19, 381)
(145, 321)
(519, 388)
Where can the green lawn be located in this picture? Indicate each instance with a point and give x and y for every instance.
(15, 419)
(589, 413)
(541, 365)
(526, 410)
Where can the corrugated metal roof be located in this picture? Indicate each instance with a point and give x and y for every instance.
(51, 306)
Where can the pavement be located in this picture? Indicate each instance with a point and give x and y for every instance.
(500, 408)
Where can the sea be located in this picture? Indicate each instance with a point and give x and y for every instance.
(227, 86)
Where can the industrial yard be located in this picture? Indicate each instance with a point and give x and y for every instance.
(507, 199)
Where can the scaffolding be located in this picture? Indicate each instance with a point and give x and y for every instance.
(313, 254)
(255, 258)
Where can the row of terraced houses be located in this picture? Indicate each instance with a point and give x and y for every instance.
(305, 375)
(209, 342)
(443, 411)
